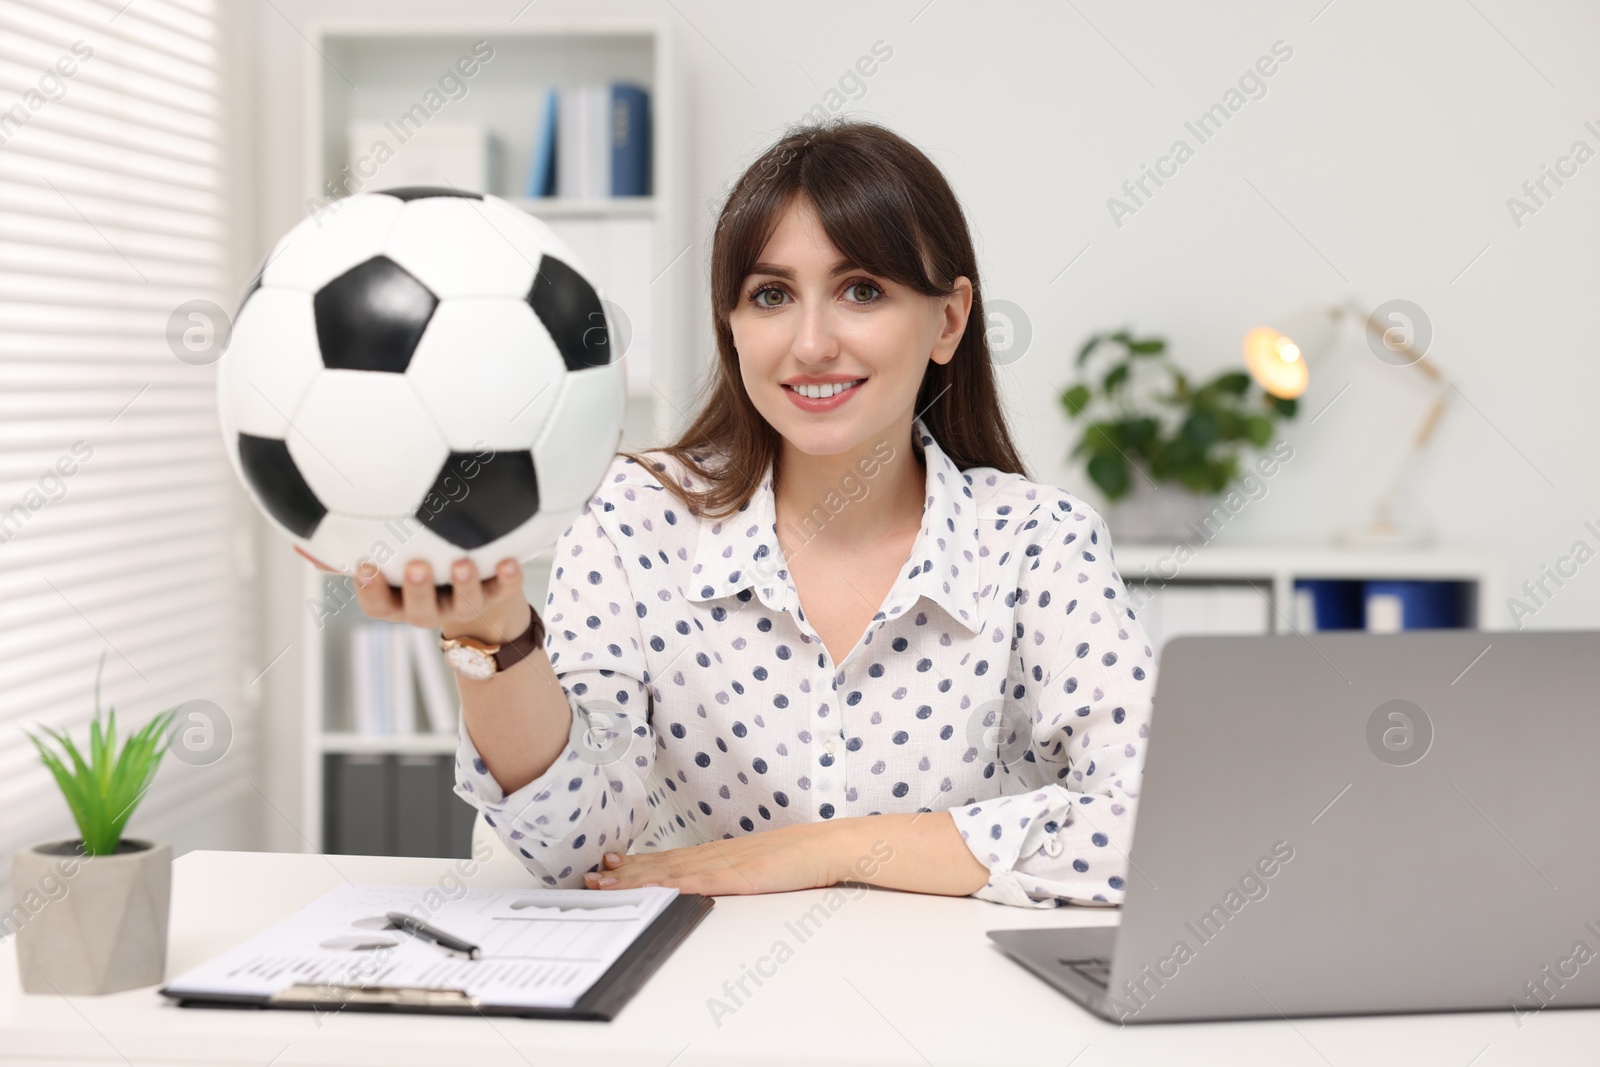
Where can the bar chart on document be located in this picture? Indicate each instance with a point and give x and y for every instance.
(540, 947)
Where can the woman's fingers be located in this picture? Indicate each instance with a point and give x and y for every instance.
(466, 592)
(376, 596)
(505, 601)
(489, 607)
(419, 596)
(504, 590)
(472, 604)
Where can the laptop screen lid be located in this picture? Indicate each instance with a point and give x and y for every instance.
(1344, 822)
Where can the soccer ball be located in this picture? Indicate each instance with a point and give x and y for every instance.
(422, 374)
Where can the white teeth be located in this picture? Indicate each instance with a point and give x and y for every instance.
(817, 392)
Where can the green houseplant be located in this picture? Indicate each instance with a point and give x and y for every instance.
(91, 913)
(1146, 421)
(1190, 434)
(103, 790)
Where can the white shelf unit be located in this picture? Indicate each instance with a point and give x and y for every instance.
(561, 208)
(1273, 570)
(378, 68)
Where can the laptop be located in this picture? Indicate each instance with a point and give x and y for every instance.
(1345, 823)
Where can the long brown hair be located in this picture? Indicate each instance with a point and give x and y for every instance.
(885, 205)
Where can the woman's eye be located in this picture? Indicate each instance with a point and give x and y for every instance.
(857, 292)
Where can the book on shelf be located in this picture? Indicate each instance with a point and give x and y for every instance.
(438, 692)
(1328, 604)
(402, 689)
(630, 140)
(593, 143)
(583, 159)
(389, 664)
(1379, 605)
(1395, 605)
(542, 171)
(365, 682)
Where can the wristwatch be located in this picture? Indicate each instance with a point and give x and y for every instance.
(480, 661)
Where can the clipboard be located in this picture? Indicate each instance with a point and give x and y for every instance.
(600, 1002)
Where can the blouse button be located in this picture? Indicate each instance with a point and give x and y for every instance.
(1052, 846)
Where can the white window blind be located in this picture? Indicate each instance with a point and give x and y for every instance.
(113, 212)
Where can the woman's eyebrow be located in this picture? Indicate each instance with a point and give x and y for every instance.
(787, 273)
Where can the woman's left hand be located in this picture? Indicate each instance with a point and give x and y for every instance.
(771, 861)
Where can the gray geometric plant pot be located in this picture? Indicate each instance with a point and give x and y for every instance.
(1166, 514)
(90, 924)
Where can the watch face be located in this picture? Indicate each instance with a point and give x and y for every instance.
(471, 663)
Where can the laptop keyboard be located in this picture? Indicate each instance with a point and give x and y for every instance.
(1096, 971)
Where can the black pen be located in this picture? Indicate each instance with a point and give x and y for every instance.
(411, 924)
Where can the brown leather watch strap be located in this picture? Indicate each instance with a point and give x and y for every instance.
(520, 647)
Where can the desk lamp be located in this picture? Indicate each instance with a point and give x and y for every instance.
(1278, 359)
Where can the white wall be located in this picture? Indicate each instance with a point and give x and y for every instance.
(1377, 165)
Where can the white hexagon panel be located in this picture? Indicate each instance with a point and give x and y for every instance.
(325, 245)
(510, 368)
(587, 421)
(271, 360)
(372, 467)
(455, 249)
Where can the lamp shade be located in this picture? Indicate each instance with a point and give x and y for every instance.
(1275, 362)
(1278, 356)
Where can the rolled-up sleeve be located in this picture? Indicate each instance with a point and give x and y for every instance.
(1066, 840)
(592, 799)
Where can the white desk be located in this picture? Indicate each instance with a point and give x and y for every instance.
(888, 979)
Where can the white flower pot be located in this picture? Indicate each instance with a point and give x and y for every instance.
(1165, 514)
(90, 924)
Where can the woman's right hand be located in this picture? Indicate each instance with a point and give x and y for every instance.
(493, 609)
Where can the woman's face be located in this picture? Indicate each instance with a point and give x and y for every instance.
(804, 314)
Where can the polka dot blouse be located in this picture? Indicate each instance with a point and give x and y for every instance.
(1004, 679)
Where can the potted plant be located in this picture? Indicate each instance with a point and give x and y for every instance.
(1159, 446)
(91, 914)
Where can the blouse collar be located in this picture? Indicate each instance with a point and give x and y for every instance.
(741, 551)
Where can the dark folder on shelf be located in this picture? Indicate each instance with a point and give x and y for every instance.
(419, 806)
(394, 804)
(359, 794)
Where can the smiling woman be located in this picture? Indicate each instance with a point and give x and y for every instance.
(943, 678)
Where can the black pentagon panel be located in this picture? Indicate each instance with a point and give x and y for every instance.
(473, 501)
(422, 192)
(372, 316)
(571, 312)
(277, 481)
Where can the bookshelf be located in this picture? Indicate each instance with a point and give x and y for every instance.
(1273, 569)
(1254, 586)
(558, 208)
(377, 69)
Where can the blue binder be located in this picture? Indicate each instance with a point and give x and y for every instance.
(630, 140)
(1424, 605)
(542, 172)
(1336, 603)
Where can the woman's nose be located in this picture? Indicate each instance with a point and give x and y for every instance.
(814, 338)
